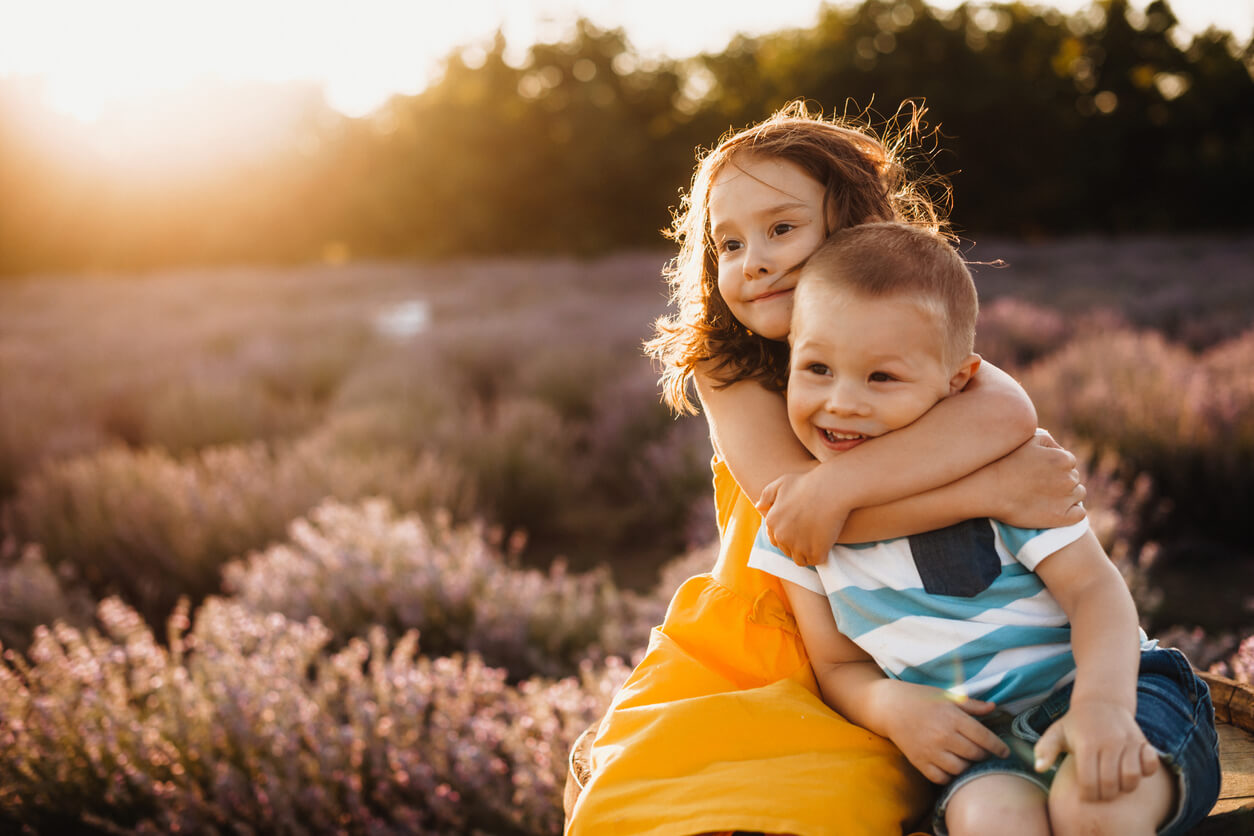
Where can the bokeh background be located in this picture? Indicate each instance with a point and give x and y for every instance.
(335, 491)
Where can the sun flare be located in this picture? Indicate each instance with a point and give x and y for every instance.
(146, 83)
(121, 52)
(149, 85)
(91, 55)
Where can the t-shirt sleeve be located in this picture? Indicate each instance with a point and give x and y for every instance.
(771, 560)
(1032, 545)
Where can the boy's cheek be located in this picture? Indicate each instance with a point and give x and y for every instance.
(798, 415)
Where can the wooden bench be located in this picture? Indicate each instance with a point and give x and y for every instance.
(1233, 814)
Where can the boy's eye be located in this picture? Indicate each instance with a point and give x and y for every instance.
(818, 368)
(781, 229)
(881, 377)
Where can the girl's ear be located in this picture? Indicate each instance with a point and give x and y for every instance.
(966, 370)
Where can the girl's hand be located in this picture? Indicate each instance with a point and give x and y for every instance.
(799, 526)
(937, 731)
(1036, 486)
(1111, 753)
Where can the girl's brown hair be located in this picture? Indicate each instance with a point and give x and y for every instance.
(864, 179)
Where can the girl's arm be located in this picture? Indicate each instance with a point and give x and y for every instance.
(807, 512)
(1036, 486)
(750, 431)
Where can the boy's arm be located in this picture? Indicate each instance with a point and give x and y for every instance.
(1100, 729)
(808, 509)
(936, 732)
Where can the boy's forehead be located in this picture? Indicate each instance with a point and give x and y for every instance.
(831, 290)
(813, 305)
(820, 301)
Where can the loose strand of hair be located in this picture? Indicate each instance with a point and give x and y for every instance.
(892, 158)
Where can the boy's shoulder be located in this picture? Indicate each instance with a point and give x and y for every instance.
(767, 557)
(1032, 545)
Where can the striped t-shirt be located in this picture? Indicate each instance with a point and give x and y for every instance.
(959, 608)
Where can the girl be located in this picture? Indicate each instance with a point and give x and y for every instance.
(720, 726)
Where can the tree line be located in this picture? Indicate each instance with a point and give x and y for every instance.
(1045, 124)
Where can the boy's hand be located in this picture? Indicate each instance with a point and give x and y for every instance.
(937, 731)
(798, 526)
(1111, 754)
(1037, 485)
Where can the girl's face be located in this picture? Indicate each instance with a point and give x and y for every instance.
(766, 217)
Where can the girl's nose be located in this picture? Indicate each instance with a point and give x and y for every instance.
(757, 262)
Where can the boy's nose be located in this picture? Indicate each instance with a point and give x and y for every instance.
(845, 399)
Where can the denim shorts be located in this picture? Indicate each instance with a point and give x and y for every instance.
(1174, 712)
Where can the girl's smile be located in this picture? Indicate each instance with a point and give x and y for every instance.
(774, 294)
(766, 218)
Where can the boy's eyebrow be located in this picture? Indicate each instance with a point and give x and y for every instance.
(773, 209)
(803, 343)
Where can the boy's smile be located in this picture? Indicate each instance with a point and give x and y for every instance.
(766, 218)
(863, 367)
(839, 440)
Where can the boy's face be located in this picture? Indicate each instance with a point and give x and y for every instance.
(864, 367)
(766, 217)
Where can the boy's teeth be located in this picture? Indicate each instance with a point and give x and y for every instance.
(834, 436)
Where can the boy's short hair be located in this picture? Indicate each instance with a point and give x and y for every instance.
(896, 259)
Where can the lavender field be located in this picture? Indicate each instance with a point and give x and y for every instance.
(362, 548)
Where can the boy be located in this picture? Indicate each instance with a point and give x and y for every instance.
(1033, 631)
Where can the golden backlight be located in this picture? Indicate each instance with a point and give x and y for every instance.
(122, 66)
(161, 85)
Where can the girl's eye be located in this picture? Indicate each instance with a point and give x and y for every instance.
(817, 368)
(729, 246)
(880, 377)
(781, 229)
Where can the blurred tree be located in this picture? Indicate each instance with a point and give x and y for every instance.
(1048, 123)
(564, 153)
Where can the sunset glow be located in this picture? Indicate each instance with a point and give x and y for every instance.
(128, 50)
(91, 56)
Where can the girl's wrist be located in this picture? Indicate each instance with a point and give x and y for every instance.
(833, 493)
(991, 493)
(978, 493)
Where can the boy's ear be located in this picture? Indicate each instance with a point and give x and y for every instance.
(966, 371)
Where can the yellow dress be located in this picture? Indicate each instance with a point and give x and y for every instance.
(720, 726)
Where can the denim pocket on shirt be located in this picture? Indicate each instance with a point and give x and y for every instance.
(960, 560)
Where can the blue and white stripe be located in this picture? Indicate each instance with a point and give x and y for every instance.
(1010, 644)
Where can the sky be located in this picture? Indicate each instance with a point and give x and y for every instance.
(364, 51)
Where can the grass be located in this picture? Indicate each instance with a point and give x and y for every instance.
(155, 426)
(262, 560)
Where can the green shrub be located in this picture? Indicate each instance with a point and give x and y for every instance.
(246, 721)
(185, 416)
(32, 594)
(1013, 333)
(357, 568)
(153, 527)
(1186, 420)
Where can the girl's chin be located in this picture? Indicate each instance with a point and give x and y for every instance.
(773, 323)
(777, 331)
